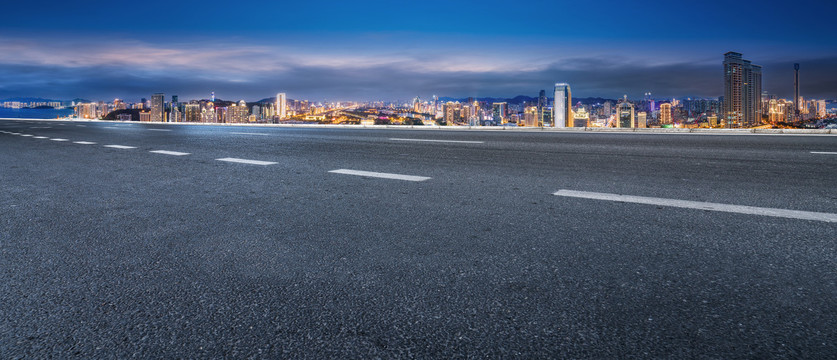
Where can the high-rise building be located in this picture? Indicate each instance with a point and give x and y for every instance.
(665, 114)
(192, 113)
(562, 107)
(158, 107)
(281, 106)
(581, 118)
(796, 91)
(742, 91)
(642, 119)
(625, 114)
(500, 110)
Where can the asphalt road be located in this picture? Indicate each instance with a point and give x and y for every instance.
(109, 252)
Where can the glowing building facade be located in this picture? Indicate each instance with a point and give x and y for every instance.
(562, 108)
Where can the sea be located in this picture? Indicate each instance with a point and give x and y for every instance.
(35, 113)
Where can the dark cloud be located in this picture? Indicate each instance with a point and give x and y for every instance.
(589, 77)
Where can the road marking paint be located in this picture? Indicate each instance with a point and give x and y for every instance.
(81, 125)
(120, 147)
(84, 142)
(159, 129)
(41, 127)
(380, 175)
(26, 135)
(58, 139)
(109, 127)
(440, 141)
(245, 161)
(166, 152)
(740, 209)
(40, 137)
(824, 152)
(244, 133)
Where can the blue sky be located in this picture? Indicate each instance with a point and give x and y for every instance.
(364, 50)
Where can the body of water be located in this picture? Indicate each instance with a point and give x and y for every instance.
(34, 113)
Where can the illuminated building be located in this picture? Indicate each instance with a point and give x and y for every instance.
(238, 113)
(530, 116)
(796, 91)
(499, 110)
(625, 114)
(281, 106)
(158, 107)
(713, 121)
(562, 107)
(192, 113)
(581, 118)
(450, 113)
(642, 119)
(742, 91)
(665, 114)
(175, 115)
(145, 116)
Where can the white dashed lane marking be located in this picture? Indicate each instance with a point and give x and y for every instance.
(824, 152)
(57, 139)
(740, 209)
(26, 135)
(166, 152)
(244, 133)
(159, 129)
(439, 141)
(40, 137)
(120, 147)
(380, 175)
(84, 142)
(246, 161)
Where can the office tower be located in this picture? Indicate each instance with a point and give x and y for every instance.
(281, 106)
(665, 114)
(642, 119)
(562, 108)
(158, 107)
(192, 113)
(449, 110)
(625, 114)
(796, 91)
(742, 91)
(499, 109)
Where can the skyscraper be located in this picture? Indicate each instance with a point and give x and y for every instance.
(499, 110)
(795, 91)
(625, 114)
(158, 107)
(281, 105)
(665, 114)
(742, 91)
(563, 105)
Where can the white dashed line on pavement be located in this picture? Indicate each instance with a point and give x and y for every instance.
(440, 141)
(159, 129)
(244, 133)
(166, 152)
(26, 135)
(84, 142)
(824, 152)
(380, 175)
(245, 161)
(120, 147)
(40, 137)
(58, 139)
(740, 209)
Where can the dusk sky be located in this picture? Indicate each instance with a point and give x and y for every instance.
(369, 50)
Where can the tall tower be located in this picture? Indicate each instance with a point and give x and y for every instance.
(796, 91)
(742, 91)
(625, 114)
(665, 114)
(281, 105)
(562, 109)
(158, 107)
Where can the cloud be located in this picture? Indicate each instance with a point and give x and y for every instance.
(234, 69)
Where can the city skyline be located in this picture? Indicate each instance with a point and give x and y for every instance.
(370, 51)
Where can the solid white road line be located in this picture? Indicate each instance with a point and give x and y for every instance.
(380, 175)
(245, 161)
(159, 129)
(740, 209)
(40, 137)
(57, 139)
(440, 141)
(120, 147)
(824, 152)
(244, 133)
(84, 142)
(166, 152)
